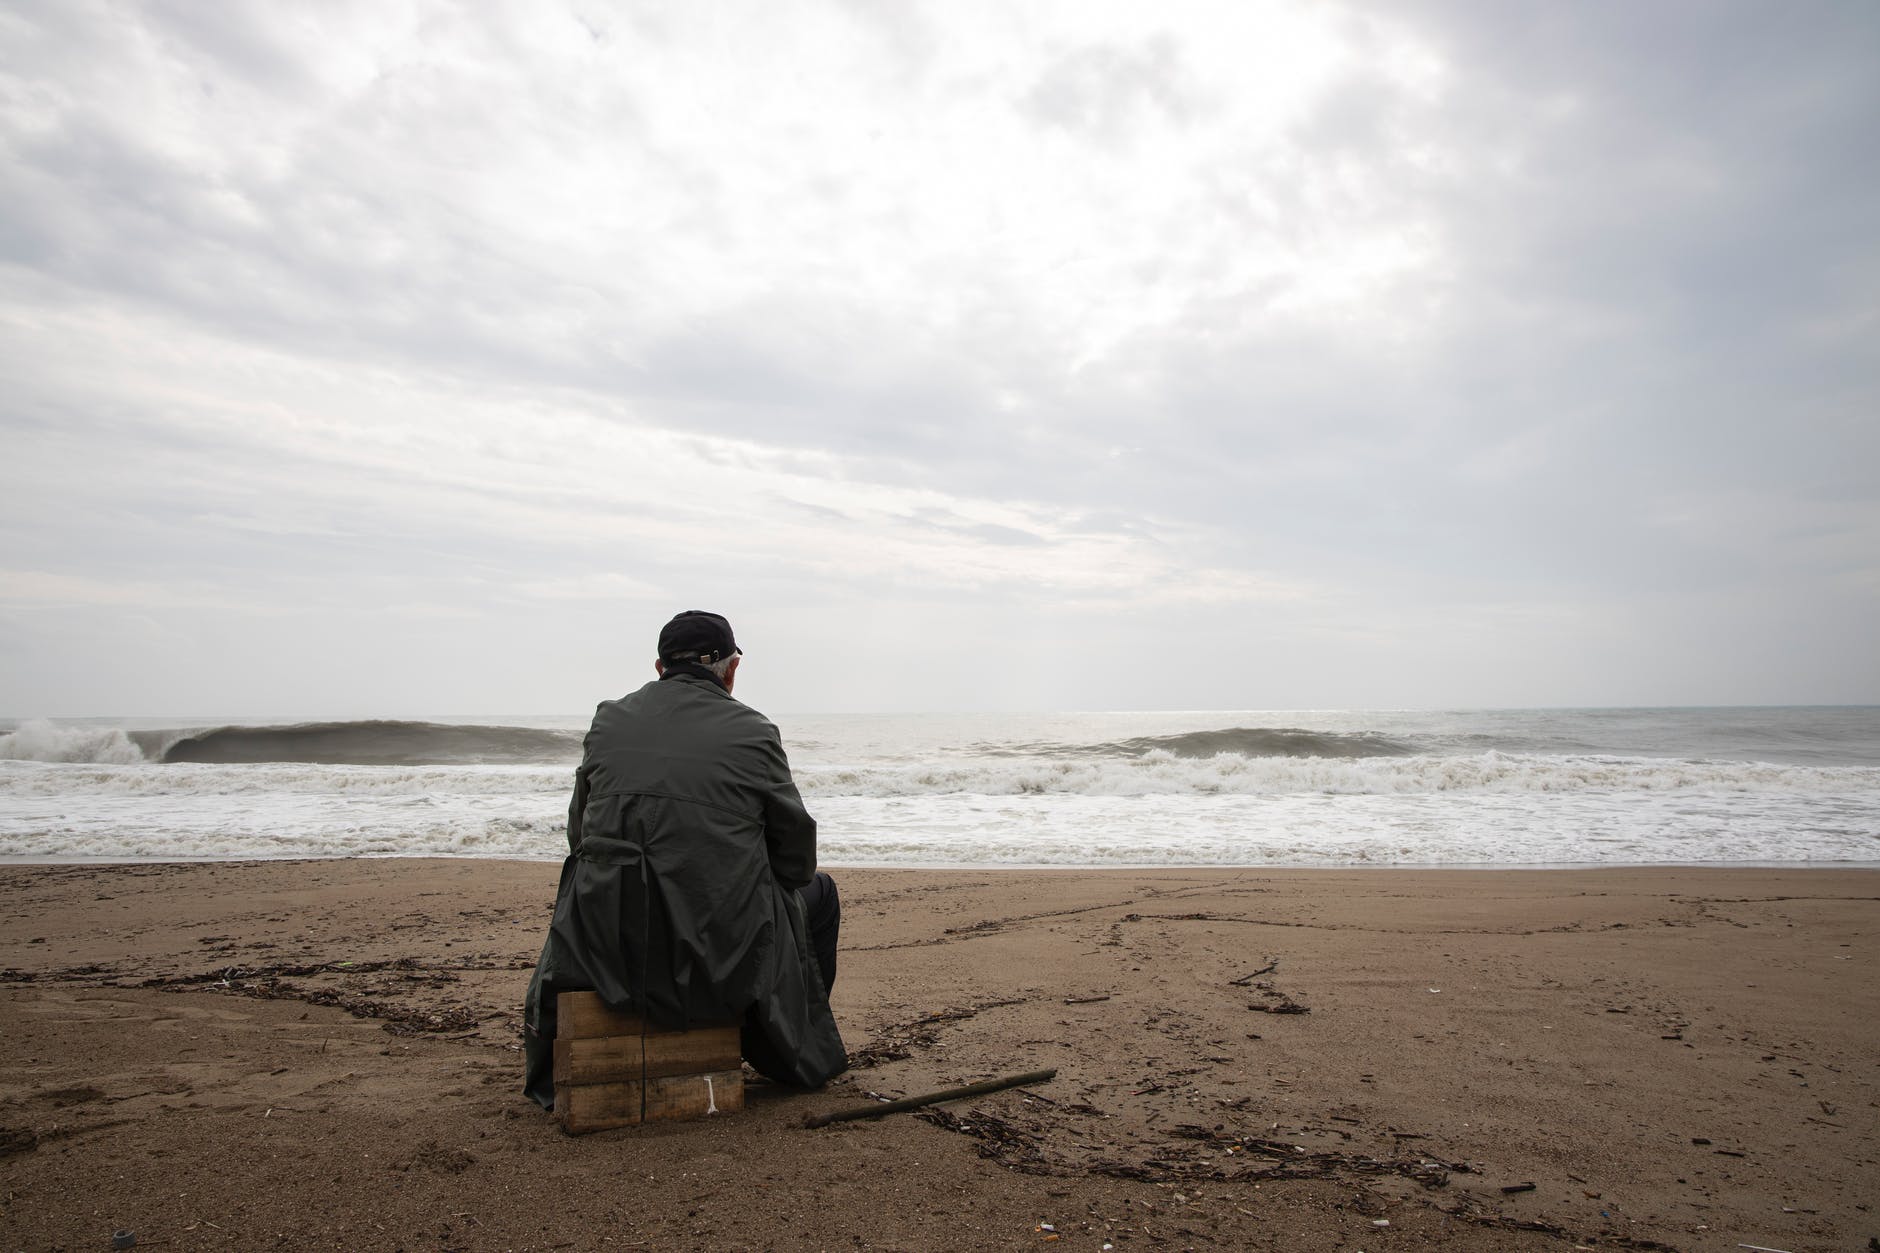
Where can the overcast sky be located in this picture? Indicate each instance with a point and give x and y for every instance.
(416, 358)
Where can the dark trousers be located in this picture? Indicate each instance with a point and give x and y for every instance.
(824, 909)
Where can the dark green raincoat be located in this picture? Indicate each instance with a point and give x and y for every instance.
(678, 902)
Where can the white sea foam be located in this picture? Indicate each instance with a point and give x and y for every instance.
(285, 778)
(1155, 774)
(1328, 829)
(1160, 773)
(41, 740)
(1067, 790)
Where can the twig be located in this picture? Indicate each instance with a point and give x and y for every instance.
(1272, 964)
(1086, 1000)
(954, 1015)
(931, 1098)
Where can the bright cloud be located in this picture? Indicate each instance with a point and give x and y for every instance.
(1281, 330)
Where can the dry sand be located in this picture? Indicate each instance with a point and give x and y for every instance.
(324, 1055)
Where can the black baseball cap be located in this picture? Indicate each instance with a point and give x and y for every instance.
(697, 636)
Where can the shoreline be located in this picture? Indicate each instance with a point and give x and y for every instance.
(1419, 867)
(1675, 1057)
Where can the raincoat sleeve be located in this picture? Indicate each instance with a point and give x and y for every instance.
(576, 804)
(789, 831)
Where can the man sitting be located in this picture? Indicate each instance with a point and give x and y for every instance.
(690, 894)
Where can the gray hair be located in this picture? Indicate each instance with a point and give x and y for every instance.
(718, 668)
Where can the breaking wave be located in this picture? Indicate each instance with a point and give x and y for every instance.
(1263, 742)
(377, 743)
(403, 743)
(42, 741)
(366, 743)
(1236, 741)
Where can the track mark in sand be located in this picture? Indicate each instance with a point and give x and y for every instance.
(868, 897)
(1034, 1141)
(1189, 1154)
(991, 926)
(379, 990)
(897, 1041)
(1770, 900)
(1225, 887)
(60, 1098)
(895, 944)
(25, 1139)
(988, 926)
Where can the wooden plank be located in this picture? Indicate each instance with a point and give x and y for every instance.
(615, 1058)
(694, 1096)
(700, 1050)
(585, 1107)
(602, 1059)
(584, 1015)
(614, 1070)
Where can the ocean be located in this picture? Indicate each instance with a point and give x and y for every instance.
(1537, 787)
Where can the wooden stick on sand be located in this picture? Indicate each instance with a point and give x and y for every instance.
(932, 1098)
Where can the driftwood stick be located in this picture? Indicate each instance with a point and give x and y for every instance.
(1272, 964)
(932, 1098)
(952, 1015)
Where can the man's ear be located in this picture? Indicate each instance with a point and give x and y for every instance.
(659, 667)
(731, 671)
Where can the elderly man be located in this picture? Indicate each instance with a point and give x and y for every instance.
(690, 894)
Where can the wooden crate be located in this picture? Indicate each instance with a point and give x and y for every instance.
(613, 1070)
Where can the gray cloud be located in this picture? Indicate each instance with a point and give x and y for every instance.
(1095, 90)
(1517, 315)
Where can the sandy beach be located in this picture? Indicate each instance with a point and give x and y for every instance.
(324, 1055)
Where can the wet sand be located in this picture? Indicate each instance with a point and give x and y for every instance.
(324, 1055)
